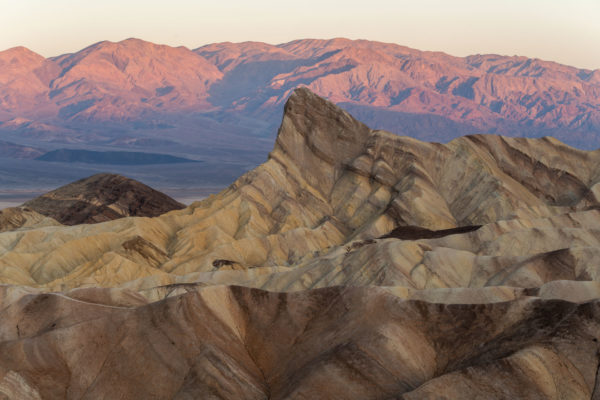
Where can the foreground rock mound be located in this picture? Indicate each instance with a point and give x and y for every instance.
(350, 343)
(352, 264)
(100, 198)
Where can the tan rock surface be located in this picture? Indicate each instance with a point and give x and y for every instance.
(14, 218)
(352, 264)
(331, 181)
(233, 342)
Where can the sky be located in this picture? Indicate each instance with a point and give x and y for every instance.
(564, 31)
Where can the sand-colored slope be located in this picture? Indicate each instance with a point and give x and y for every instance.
(13, 218)
(330, 181)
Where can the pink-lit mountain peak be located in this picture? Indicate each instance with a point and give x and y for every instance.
(122, 79)
(19, 59)
(19, 52)
(134, 56)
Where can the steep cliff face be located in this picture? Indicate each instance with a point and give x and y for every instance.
(353, 263)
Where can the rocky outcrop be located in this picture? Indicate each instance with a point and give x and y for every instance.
(329, 182)
(352, 264)
(102, 197)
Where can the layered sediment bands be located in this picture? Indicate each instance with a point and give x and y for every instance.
(330, 182)
(14, 218)
(352, 264)
(234, 342)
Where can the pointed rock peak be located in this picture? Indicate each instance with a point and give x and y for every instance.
(304, 106)
(318, 137)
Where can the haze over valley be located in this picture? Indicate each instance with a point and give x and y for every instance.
(221, 103)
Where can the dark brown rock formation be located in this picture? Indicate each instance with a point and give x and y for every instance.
(100, 198)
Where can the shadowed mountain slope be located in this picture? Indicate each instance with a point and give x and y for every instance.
(363, 343)
(12, 150)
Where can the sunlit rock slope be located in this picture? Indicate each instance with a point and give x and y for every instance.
(352, 264)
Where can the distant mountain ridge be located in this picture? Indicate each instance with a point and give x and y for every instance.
(110, 157)
(100, 92)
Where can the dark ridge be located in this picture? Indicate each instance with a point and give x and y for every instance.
(411, 232)
(101, 198)
(111, 157)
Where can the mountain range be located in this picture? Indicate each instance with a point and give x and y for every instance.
(229, 96)
(354, 263)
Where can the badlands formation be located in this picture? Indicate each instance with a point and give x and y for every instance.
(352, 264)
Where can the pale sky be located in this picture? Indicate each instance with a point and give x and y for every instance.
(564, 31)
